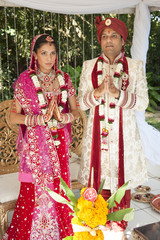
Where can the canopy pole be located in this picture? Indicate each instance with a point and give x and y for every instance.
(16, 40)
(67, 33)
(92, 36)
(7, 53)
(75, 51)
(59, 41)
(1, 80)
(26, 45)
(83, 35)
(44, 22)
(33, 23)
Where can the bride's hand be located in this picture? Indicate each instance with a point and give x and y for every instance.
(50, 110)
(56, 113)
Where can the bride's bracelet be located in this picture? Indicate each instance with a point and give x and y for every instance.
(34, 120)
(67, 118)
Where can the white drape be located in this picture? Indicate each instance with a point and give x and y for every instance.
(140, 40)
(81, 7)
(150, 136)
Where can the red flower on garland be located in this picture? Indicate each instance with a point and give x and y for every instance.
(110, 120)
(112, 105)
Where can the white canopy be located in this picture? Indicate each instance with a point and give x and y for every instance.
(83, 6)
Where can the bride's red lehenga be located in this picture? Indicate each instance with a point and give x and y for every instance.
(37, 216)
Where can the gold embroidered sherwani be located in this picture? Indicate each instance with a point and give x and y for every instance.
(134, 98)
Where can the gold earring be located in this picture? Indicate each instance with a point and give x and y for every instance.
(35, 65)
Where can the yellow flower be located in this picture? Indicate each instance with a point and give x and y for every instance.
(75, 220)
(88, 236)
(92, 215)
(82, 191)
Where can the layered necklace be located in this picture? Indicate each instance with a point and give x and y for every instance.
(46, 81)
(106, 122)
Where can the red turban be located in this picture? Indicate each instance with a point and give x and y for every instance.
(113, 23)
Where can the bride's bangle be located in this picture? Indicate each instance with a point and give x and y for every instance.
(67, 118)
(34, 120)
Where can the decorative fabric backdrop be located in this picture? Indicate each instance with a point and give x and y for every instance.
(83, 6)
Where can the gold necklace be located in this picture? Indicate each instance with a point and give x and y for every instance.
(46, 80)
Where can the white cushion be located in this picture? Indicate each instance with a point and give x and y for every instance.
(9, 187)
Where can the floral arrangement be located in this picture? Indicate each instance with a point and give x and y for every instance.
(91, 211)
(52, 123)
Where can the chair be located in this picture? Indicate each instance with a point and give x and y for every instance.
(9, 163)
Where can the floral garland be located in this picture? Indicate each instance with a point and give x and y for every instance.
(52, 123)
(106, 124)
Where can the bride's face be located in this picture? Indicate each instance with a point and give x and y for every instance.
(46, 56)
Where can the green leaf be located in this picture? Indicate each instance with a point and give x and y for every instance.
(68, 192)
(153, 88)
(117, 196)
(153, 103)
(123, 214)
(129, 216)
(101, 186)
(59, 198)
(68, 238)
(150, 109)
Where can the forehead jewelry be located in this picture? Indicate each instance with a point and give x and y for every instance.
(49, 39)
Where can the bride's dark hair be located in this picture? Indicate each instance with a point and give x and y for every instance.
(42, 40)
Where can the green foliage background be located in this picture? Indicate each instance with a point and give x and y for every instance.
(76, 36)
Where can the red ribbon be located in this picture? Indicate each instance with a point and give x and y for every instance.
(96, 140)
(96, 152)
(121, 150)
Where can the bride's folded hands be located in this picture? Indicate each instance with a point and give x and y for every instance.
(50, 110)
(56, 112)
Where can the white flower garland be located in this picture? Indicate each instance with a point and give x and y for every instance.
(106, 122)
(52, 123)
